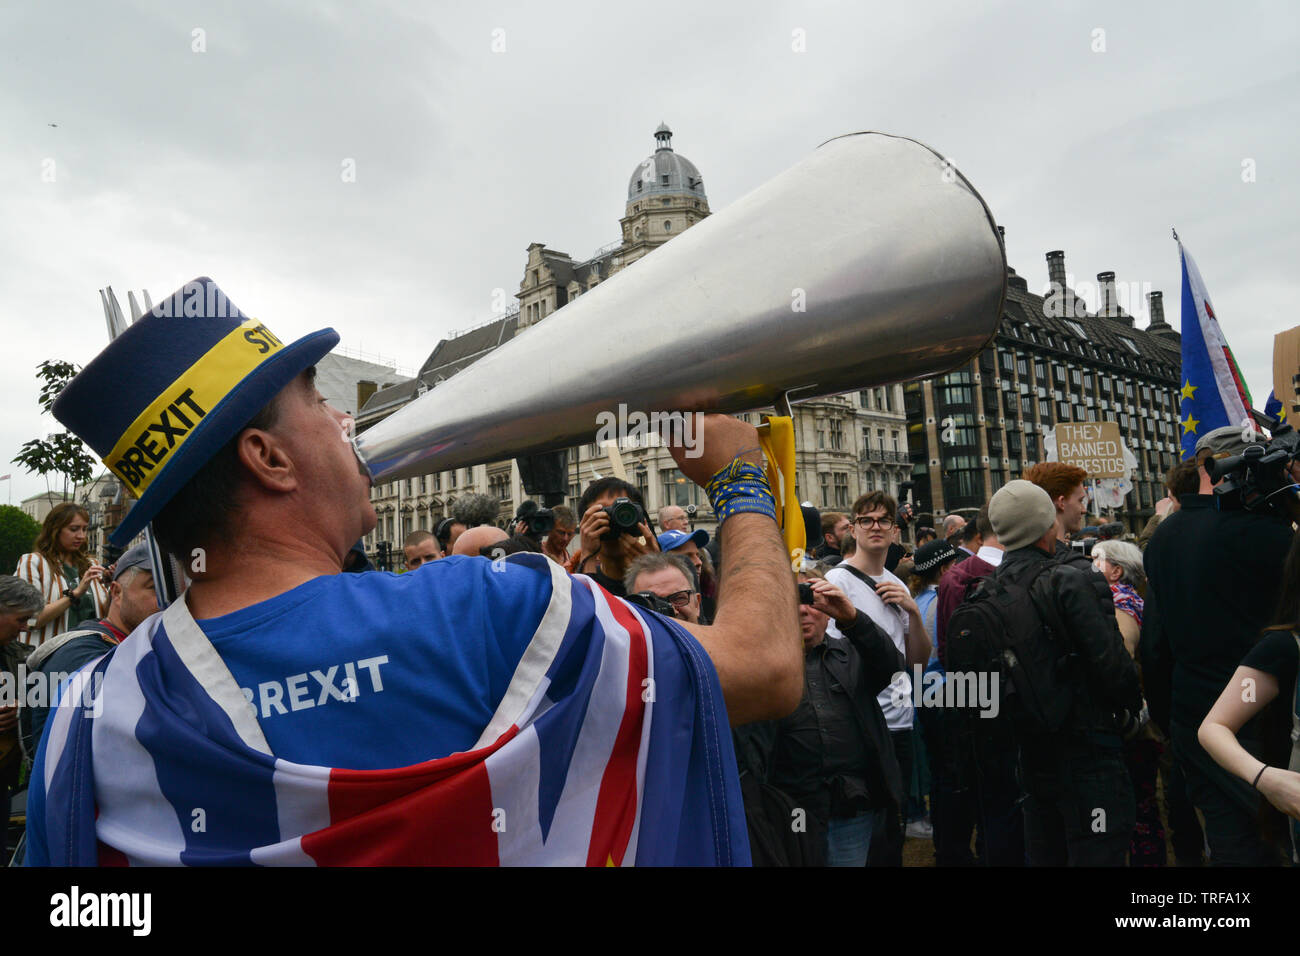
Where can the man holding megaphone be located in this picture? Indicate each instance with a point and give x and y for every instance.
(471, 711)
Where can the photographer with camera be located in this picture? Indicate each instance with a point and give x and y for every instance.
(874, 590)
(833, 756)
(662, 582)
(1214, 570)
(613, 532)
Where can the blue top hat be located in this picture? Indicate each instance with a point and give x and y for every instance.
(172, 389)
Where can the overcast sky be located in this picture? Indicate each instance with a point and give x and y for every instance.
(1088, 127)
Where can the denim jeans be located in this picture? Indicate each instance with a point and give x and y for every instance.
(848, 838)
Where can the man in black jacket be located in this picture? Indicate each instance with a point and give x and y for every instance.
(833, 755)
(1213, 580)
(1079, 807)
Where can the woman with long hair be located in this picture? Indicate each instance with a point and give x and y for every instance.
(1270, 669)
(61, 569)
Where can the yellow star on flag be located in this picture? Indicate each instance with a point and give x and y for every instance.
(1188, 388)
(1189, 426)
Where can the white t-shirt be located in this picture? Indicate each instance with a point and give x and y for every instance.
(896, 699)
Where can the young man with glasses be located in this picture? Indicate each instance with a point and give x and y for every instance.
(885, 599)
(667, 576)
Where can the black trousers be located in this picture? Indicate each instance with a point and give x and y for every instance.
(887, 841)
(953, 804)
(1229, 804)
(1079, 807)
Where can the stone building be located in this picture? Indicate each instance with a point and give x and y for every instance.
(977, 427)
(846, 444)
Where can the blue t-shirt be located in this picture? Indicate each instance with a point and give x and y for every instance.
(925, 604)
(375, 670)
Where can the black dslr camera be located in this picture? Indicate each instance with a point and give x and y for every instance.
(538, 521)
(1259, 479)
(652, 602)
(624, 517)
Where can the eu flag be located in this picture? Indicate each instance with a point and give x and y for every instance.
(1214, 392)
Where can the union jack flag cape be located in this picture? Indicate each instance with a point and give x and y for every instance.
(610, 747)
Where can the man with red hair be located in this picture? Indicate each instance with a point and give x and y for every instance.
(1064, 485)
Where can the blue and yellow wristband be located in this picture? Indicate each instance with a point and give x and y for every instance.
(740, 488)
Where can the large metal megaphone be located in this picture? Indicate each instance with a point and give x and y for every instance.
(873, 260)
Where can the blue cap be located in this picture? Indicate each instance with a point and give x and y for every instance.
(671, 540)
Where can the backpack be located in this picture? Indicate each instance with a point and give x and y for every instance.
(1009, 629)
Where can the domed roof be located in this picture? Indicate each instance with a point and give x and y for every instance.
(664, 172)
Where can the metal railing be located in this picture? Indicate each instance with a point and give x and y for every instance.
(883, 456)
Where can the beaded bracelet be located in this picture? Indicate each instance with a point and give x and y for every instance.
(738, 488)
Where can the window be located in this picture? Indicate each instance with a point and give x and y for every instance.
(1078, 329)
(957, 395)
(1076, 377)
(826, 489)
(668, 225)
(895, 437)
(678, 489)
(1040, 371)
(1044, 410)
(1022, 366)
(841, 490)
(837, 434)
(1008, 361)
(864, 398)
(1128, 344)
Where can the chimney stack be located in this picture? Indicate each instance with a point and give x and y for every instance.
(1056, 269)
(1158, 326)
(1106, 295)
(1156, 308)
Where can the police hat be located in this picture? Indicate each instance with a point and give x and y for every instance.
(171, 390)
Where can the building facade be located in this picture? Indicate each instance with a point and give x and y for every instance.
(846, 444)
(37, 507)
(981, 425)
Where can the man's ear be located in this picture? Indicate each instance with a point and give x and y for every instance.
(267, 460)
(115, 592)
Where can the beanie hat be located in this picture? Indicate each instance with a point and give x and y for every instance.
(1021, 512)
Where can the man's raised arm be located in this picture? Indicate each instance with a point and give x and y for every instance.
(754, 641)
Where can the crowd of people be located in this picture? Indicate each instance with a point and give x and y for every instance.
(1157, 747)
(1020, 687)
